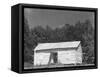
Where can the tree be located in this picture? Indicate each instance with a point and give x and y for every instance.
(27, 43)
(88, 46)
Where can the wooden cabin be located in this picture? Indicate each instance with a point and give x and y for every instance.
(58, 53)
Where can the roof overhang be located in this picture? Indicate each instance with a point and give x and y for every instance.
(58, 45)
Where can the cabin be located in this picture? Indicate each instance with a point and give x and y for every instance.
(60, 53)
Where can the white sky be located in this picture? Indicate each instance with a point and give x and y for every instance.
(55, 18)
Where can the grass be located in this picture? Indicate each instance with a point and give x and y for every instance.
(31, 66)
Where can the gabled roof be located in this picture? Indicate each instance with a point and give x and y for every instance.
(44, 46)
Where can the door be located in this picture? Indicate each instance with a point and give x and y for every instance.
(53, 58)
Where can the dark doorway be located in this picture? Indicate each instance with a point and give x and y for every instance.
(53, 58)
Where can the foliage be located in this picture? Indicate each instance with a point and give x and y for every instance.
(27, 43)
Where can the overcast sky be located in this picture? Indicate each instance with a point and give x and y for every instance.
(55, 18)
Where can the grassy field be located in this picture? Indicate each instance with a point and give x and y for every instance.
(31, 66)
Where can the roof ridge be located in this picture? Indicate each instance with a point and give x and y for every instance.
(60, 42)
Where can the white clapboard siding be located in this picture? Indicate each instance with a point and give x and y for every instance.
(41, 58)
(66, 57)
(79, 54)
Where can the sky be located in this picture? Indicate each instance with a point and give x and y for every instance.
(55, 18)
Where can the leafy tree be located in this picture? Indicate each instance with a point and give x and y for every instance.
(27, 43)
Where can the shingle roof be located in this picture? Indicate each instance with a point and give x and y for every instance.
(44, 46)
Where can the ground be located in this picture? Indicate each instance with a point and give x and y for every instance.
(30, 66)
